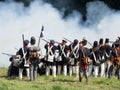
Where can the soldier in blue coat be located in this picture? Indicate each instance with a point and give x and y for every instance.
(50, 58)
(23, 52)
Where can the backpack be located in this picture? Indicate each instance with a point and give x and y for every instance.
(85, 58)
(34, 52)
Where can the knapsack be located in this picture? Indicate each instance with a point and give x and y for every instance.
(34, 52)
(85, 58)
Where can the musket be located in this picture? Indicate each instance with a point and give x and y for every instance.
(111, 41)
(90, 44)
(57, 42)
(24, 51)
(115, 42)
(16, 49)
(8, 54)
(45, 40)
(67, 40)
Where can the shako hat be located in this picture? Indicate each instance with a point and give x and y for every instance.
(64, 41)
(26, 42)
(107, 40)
(101, 41)
(95, 44)
(32, 40)
(52, 42)
(75, 41)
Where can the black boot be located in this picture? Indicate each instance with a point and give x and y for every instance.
(80, 79)
(86, 79)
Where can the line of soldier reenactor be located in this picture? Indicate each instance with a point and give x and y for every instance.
(102, 59)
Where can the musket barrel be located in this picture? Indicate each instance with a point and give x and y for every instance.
(67, 39)
(57, 42)
(90, 44)
(8, 54)
(45, 40)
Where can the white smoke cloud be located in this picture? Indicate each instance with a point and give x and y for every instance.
(97, 11)
(103, 21)
(16, 20)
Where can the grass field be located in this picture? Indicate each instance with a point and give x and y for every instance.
(59, 83)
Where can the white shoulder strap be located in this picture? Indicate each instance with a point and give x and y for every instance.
(49, 50)
(94, 55)
(62, 49)
(73, 50)
(106, 54)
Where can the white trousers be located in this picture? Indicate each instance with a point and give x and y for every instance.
(76, 70)
(108, 66)
(65, 70)
(70, 70)
(28, 73)
(96, 71)
(59, 69)
(102, 66)
(53, 71)
(47, 70)
(21, 73)
(90, 69)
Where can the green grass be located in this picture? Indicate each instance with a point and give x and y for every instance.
(59, 83)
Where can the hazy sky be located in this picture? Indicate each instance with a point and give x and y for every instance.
(16, 20)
